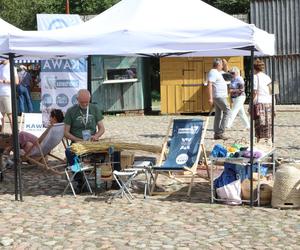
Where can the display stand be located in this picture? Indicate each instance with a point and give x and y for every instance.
(243, 162)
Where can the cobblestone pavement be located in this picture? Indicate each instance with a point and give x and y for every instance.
(46, 220)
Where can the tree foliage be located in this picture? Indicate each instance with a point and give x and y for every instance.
(231, 6)
(22, 13)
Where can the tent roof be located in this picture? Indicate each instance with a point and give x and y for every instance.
(147, 27)
(5, 30)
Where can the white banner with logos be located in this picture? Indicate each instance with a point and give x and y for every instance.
(60, 79)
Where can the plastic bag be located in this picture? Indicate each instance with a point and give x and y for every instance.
(76, 167)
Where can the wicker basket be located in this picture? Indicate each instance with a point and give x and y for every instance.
(106, 171)
(286, 191)
(126, 159)
(265, 191)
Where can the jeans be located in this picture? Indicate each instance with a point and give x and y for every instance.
(222, 113)
(238, 109)
(24, 97)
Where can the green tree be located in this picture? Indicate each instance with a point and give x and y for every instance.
(84, 7)
(22, 13)
(231, 6)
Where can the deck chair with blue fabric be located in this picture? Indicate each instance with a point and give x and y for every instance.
(181, 153)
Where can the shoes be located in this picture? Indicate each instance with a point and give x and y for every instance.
(220, 137)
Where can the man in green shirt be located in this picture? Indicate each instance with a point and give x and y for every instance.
(83, 121)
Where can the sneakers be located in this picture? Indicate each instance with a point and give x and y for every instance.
(220, 137)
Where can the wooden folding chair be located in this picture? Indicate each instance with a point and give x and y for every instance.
(39, 152)
(182, 152)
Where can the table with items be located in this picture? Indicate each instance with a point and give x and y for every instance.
(232, 185)
(108, 146)
(99, 162)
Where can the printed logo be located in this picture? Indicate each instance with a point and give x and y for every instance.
(192, 130)
(57, 24)
(185, 143)
(50, 82)
(63, 65)
(62, 100)
(74, 99)
(47, 100)
(182, 159)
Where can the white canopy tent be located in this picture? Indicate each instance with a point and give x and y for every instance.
(5, 30)
(146, 27)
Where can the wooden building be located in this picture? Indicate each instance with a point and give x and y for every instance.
(183, 83)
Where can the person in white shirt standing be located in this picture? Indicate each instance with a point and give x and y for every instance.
(263, 100)
(5, 91)
(217, 96)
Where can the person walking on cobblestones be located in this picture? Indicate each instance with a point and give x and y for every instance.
(217, 96)
(238, 97)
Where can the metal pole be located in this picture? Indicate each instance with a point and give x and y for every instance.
(251, 126)
(15, 130)
(273, 97)
(89, 74)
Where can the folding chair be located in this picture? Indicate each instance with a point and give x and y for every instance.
(124, 178)
(39, 152)
(71, 172)
(182, 152)
(143, 165)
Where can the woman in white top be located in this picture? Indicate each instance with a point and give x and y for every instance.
(238, 97)
(263, 99)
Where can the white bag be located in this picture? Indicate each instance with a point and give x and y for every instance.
(231, 193)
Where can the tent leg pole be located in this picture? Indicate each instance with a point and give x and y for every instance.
(89, 74)
(273, 97)
(251, 127)
(15, 130)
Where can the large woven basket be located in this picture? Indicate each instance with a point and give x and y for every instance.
(286, 190)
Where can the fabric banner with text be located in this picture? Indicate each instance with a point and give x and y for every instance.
(60, 78)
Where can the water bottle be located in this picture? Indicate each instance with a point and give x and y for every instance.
(98, 178)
